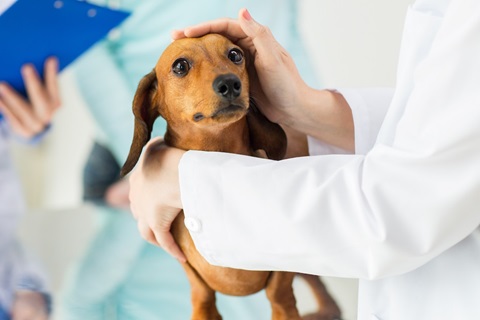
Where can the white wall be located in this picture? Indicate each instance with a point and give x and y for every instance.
(353, 43)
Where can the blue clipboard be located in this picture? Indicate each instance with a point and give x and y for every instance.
(33, 30)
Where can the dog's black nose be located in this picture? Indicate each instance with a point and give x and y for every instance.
(228, 86)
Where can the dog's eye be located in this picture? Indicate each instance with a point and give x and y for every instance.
(180, 67)
(235, 55)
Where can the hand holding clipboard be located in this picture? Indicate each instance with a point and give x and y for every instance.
(33, 30)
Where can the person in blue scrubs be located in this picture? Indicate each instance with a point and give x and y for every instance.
(121, 276)
(24, 291)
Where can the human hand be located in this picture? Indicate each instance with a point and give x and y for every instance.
(29, 305)
(275, 82)
(28, 118)
(117, 195)
(155, 195)
(278, 88)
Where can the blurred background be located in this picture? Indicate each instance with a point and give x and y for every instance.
(351, 43)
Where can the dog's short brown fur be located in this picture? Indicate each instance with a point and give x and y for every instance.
(200, 87)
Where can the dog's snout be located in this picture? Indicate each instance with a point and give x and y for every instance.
(228, 86)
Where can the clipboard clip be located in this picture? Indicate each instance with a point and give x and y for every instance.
(58, 4)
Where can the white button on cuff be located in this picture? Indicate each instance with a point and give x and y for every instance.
(193, 224)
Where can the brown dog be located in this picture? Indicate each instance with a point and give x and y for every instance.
(201, 88)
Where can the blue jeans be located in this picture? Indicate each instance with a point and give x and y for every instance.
(4, 315)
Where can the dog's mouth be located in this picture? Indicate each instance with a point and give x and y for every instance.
(229, 110)
(223, 113)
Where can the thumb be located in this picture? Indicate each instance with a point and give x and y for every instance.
(261, 35)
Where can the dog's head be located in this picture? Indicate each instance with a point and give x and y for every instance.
(200, 85)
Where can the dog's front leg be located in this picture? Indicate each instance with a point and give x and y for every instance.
(203, 297)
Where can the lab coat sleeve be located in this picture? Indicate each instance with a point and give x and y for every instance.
(365, 216)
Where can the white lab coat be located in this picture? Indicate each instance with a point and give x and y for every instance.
(402, 214)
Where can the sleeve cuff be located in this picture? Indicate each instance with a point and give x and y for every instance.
(35, 140)
(369, 107)
(198, 222)
(317, 148)
(363, 141)
(34, 284)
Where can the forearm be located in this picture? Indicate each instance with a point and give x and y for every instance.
(326, 116)
(344, 120)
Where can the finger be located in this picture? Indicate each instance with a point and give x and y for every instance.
(19, 112)
(117, 195)
(166, 241)
(146, 233)
(12, 120)
(51, 82)
(225, 26)
(177, 34)
(36, 92)
(261, 36)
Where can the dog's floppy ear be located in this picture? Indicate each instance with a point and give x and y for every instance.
(145, 112)
(265, 134)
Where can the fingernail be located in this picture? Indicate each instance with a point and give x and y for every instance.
(175, 34)
(246, 15)
(54, 61)
(181, 260)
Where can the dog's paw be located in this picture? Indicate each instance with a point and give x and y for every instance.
(260, 153)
